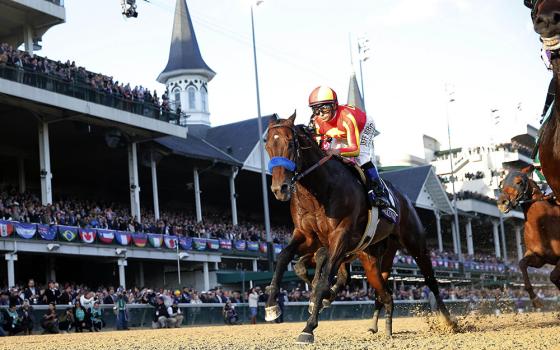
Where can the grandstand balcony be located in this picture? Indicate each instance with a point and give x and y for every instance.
(21, 19)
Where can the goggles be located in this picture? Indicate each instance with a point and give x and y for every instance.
(324, 109)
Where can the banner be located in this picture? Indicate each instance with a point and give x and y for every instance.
(252, 246)
(263, 247)
(139, 239)
(240, 245)
(213, 244)
(122, 237)
(277, 248)
(68, 233)
(225, 244)
(26, 231)
(106, 236)
(199, 243)
(87, 235)
(156, 240)
(6, 228)
(170, 241)
(48, 233)
(185, 243)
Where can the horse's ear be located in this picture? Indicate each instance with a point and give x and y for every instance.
(292, 119)
(529, 4)
(528, 170)
(272, 120)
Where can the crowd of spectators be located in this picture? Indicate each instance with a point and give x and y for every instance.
(27, 208)
(76, 80)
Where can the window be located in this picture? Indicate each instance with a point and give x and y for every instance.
(204, 98)
(191, 91)
(177, 97)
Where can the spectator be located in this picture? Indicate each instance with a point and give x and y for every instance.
(66, 298)
(50, 320)
(81, 317)
(281, 299)
(97, 317)
(86, 300)
(253, 304)
(12, 320)
(51, 294)
(160, 314)
(27, 318)
(121, 311)
(31, 293)
(67, 320)
(175, 315)
(230, 314)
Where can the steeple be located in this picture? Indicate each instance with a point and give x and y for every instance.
(184, 54)
(354, 95)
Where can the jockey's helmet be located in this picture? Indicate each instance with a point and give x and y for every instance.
(322, 95)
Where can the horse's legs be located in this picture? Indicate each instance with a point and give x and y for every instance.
(555, 275)
(370, 264)
(386, 265)
(320, 257)
(532, 260)
(300, 268)
(272, 311)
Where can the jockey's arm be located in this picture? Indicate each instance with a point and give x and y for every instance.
(352, 138)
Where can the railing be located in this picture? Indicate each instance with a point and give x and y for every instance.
(84, 92)
(141, 315)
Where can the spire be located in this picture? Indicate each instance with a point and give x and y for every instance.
(184, 54)
(354, 95)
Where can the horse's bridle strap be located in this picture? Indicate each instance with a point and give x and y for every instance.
(299, 176)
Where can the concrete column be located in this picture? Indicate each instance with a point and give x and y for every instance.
(495, 225)
(454, 236)
(133, 181)
(438, 226)
(364, 284)
(232, 195)
(255, 265)
(518, 242)
(141, 274)
(503, 234)
(122, 278)
(206, 276)
(21, 175)
(10, 258)
(290, 268)
(28, 39)
(197, 196)
(468, 231)
(52, 268)
(45, 164)
(154, 186)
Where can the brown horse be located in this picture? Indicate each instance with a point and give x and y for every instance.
(546, 21)
(542, 219)
(329, 206)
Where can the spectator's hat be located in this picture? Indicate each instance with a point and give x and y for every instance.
(177, 292)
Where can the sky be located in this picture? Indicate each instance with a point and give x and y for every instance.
(485, 52)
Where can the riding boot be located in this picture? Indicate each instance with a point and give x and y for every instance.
(376, 192)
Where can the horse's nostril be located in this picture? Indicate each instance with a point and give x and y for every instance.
(284, 188)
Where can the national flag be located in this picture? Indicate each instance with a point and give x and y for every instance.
(48, 233)
(252, 246)
(123, 238)
(6, 228)
(225, 244)
(155, 240)
(199, 243)
(213, 244)
(185, 243)
(240, 245)
(26, 231)
(106, 236)
(170, 241)
(263, 247)
(68, 233)
(277, 248)
(139, 239)
(87, 235)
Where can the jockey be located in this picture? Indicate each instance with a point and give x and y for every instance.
(346, 131)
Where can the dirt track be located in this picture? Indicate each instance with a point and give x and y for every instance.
(526, 331)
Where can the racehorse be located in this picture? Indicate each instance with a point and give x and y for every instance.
(329, 207)
(546, 21)
(542, 219)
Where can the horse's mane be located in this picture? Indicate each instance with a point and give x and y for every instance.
(546, 130)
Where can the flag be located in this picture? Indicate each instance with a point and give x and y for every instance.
(185, 243)
(68, 233)
(106, 236)
(263, 247)
(225, 244)
(26, 231)
(240, 245)
(277, 248)
(213, 244)
(6, 228)
(123, 238)
(170, 241)
(252, 246)
(139, 239)
(199, 243)
(155, 240)
(87, 235)
(48, 233)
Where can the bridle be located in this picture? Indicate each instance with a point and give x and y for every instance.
(533, 5)
(294, 165)
(523, 197)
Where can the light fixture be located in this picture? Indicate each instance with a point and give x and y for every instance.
(53, 246)
(120, 251)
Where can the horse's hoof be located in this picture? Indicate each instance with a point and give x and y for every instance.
(305, 338)
(326, 303)
(373, 330)
(537, 303)
(310, 307)
(272, 313)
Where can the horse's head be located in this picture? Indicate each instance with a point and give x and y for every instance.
(514, 188)
(281, 145)
(546, 21)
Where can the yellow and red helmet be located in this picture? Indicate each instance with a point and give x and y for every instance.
(322, 95)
